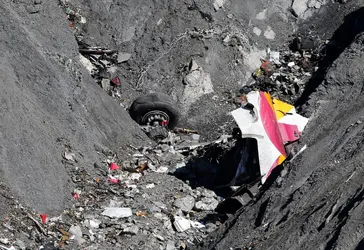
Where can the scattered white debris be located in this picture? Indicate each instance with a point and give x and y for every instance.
(291, 64)
(77, 233)
(149, 186)
(299, 152)
(269, 33)
(7, 248)
(83, 20)
(351, 176)
(95, 223)
(135, 176)
(181, 224)
(299, 7)
(180, 165)
(218, 4)
(4, 241)
(196, 224)
(86, 63)
(69, 156)
(162, 170)
(195, 137)
(117, 212)
(262, 15)
(274, 56)
(257, 31)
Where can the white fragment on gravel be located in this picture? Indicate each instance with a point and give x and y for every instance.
(162, 170)
(135, 176)
(257, 31)
(77, 233)
(117, 212)
(261, 15)
(196, 224)
(180, 165)
(218, 4)
(300, 6)
(86, 63)
(274, 57)
(94, 223)
(291, 64)
(269, 33)
(69, 156)
(149, 186)
(181, 224)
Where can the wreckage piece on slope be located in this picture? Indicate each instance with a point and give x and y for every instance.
(155, 112)
(273, 124)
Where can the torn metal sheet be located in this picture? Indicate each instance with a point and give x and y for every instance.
(272, 123)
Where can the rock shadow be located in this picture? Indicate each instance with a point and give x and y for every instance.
(341, 39)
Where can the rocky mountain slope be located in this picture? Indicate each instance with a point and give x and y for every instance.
(50, 105)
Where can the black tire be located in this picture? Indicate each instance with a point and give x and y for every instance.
(143, 105)
(158, 133)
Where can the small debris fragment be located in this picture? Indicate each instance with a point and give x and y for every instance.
(196, 224)
(117, 212)
(114, 167)
(116, 81)
(94, 223)
(132, 230)
(77, 233)
(162, 170)
(274, 57)
(135, 176)
(113, 180)
(291, 64)
(141, 214)
(69, 156)
(181, 224)
(142, 167)
(43, 218)
(4, 241)
(75, 195)
(149, 186)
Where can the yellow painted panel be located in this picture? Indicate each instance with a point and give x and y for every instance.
(281, 159)
(281, 108)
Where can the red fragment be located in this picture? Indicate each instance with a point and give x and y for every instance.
(76, 196)
(116, 81)
(113, 180)
(44, 218)
(164, 123)
(113, 167)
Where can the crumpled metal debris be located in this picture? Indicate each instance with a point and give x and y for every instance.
(284, 73)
